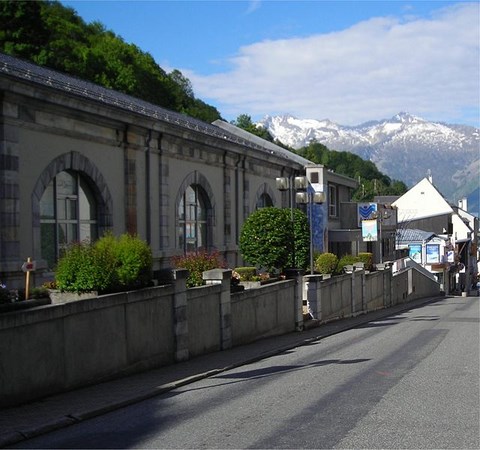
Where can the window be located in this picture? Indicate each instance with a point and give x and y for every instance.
(332, 200)
(193, 211)
(314, 177)
(264, 201)
(68, 213)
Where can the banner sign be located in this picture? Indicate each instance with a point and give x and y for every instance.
(433, 253)
(415, 252)
(365, 211)
(369, 230)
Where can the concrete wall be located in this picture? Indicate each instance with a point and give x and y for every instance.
(203, 313)
(58, 347)
(264, 311)
(359, 292)
(53, 348)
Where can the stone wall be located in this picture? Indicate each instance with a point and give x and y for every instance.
(58, 347)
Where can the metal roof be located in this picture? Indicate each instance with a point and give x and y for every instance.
(24, 70)
(267, 145)
(407, 235)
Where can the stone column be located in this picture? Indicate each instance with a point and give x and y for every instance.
(297, 275)
(223, 277)
(180, 314)
(314, 300)
(10, 258)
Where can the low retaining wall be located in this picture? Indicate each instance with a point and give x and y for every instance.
(54, 348)
(264, 311)
(360, 292)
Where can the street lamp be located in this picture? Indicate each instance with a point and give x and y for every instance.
(308, 198)
(284, 184)
(381, 216)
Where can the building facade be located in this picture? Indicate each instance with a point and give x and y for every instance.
(77, 160)
(454, 258)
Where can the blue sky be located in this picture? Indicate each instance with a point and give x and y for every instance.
(346, 61)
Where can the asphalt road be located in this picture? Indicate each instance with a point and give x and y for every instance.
(409, 380)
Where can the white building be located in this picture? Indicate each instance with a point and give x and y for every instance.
(455, 255)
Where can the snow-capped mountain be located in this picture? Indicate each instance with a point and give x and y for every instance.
(404, 147)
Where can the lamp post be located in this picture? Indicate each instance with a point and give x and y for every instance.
(308, 198)
(381, 216)
(284, 184)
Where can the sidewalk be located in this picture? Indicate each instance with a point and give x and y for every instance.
(24, 422)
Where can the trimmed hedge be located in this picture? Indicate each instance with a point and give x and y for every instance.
(269, 240)
(346, 260)
(326, 263)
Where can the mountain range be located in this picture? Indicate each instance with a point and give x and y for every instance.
(404, 147)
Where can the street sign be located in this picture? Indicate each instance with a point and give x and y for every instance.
(29, 266)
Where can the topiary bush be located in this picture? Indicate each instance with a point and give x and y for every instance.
(196, 264)
(326, 263)
(367, 259)
(346, 260)
(301, 239)
(267, 239)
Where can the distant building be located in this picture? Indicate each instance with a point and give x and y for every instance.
(454, 253)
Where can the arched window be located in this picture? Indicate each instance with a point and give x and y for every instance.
(193, 214)
(68, 213)
(264, 201)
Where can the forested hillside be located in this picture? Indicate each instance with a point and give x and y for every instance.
(53, 35)
(372, 182)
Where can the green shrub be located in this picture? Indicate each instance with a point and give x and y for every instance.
(268, 239)
(367, 259)
(326, 263)
(346, 260)
(301, 230)
(134, 262)
(111, 264)
(246, 273)
(78, 270)
(107, 262)
(196, 264)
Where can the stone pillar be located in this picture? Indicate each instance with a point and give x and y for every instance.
(10, 258)
(297, 275)
(352, 294)
(130, 177)
(180, 314)
(223, 277)
(314, 300)
(359, 269)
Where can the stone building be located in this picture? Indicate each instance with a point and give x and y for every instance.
(77, 159)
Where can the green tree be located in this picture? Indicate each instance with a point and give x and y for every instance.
(22, 31)
(267, 239)
(301, 240)
(244, 121)
(372, 182)
(50, 34)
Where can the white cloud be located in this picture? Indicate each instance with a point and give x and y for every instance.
(429, 67)
(253, 5)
